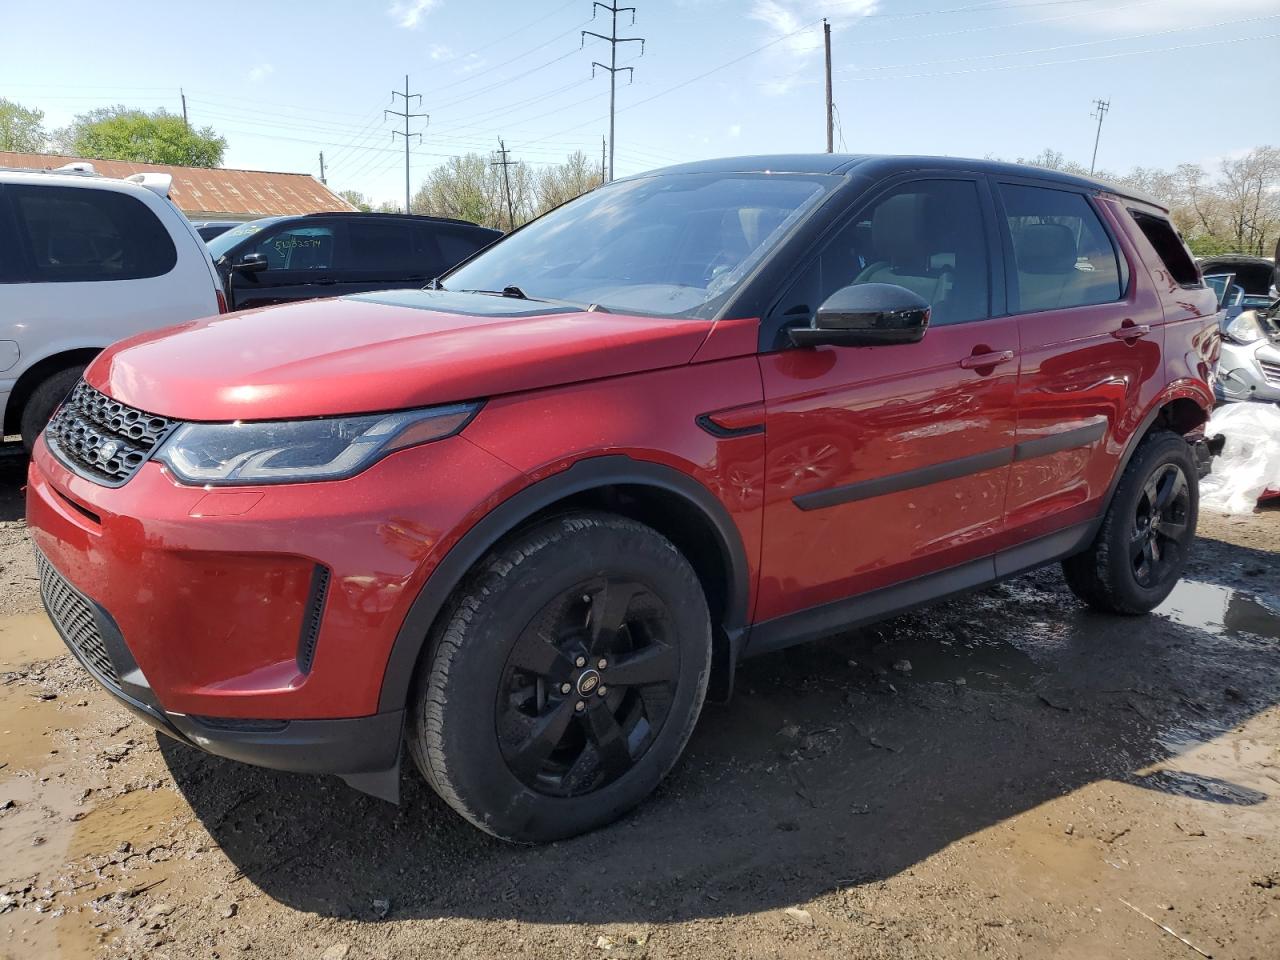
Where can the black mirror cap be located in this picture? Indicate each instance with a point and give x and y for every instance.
(866, 315)
(251, 263)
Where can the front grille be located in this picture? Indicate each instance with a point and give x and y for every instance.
(102, 439)
(73, 615)
(1270, 370)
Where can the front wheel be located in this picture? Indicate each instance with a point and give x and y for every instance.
(1142, 547)
(44, 400)
(564, 679)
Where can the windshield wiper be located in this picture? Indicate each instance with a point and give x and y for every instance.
(511, 291)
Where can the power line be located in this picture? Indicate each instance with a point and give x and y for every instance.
(613, 40)
(406, 134)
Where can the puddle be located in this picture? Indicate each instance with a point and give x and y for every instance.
(27, 639)
(1218, 610)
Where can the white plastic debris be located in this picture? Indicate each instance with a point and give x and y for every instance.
(1249, 464)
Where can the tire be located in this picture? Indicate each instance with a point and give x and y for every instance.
(1133, 564)
(533, 741)
(44, 401)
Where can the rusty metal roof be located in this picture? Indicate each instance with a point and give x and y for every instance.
(202, 192)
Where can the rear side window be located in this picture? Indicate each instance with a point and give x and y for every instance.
(457, 245)
(1063, 255)
(76, 235)
(383, 246)
(1169, 247)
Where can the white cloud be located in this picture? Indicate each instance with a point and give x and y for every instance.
(1172, 14)
(409, 13)
(261, 72)
(470, 63)
(735, 130)
(795, 24)
(441, 52)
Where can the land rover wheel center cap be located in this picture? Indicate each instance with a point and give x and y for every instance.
(588, 681)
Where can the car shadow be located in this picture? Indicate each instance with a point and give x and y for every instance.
(840, 763)
(13, 481)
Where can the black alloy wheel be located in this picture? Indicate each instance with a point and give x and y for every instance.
(1160, 526)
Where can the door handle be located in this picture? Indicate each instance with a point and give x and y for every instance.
(1131, 331)
(980, 360)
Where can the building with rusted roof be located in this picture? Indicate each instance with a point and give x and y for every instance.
(204, 193)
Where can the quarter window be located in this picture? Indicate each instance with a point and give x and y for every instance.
(926, 236)
(1169, 247)
(80, 234)
(1063, 255)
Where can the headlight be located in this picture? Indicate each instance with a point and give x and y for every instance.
(299, 451)
(1244, 329)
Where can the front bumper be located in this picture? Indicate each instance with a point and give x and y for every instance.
(1250, 372)
(365, 751)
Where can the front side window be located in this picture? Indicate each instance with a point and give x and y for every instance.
(1063, 255)
(80, 235)
(926, 236)
(308, 247)
(675, 245)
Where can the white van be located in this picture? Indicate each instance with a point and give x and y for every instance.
(85, 261)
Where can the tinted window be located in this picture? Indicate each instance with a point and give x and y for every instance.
(1170, 248)
(674, 245)
(926, 236)
(1063, 255)
(383, 246)
(76, 234)
(221, 245)
(456, 245)
(304, 247)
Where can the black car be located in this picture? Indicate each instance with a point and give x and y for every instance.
(279, 259)
(208, 229)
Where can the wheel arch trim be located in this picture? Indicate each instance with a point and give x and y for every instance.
(583, 476)
(1181, 390)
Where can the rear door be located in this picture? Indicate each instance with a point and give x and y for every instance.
(887, 463)
(1091, 331)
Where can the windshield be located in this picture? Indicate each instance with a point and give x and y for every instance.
(220, 244)
(674, 245)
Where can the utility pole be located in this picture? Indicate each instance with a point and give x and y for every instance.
(406, 134)
(603, 166)
(831, 127)
(504, 163)
(322, 179)
(185, 122)
(613, 40)
(1100, 108)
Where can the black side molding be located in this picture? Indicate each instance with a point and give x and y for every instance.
(1057, 442)
(724, 433)
(907, 480)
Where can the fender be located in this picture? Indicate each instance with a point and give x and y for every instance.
(584, 475)
(1178, 390)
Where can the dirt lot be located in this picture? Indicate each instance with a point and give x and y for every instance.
(1006, 776)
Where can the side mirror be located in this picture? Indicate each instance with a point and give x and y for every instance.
(251, 263)
(866, 315)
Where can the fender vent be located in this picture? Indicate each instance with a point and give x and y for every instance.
(312, 616)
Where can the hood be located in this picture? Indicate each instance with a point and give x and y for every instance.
(387, 351)
(1255, 274)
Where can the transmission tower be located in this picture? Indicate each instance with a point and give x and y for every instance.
(504, 162)
(1100, 108)
(612, 66)
(406, 134)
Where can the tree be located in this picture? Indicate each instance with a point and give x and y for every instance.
(121, 133)
(562, 183)
(21, 128)
(468, 188)
(356, 199)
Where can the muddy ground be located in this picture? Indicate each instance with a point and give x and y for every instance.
(1007, 775)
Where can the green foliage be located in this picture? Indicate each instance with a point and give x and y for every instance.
(21, 128)
(121, 133)
(356, 199)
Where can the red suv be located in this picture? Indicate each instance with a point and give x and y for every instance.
(527, 519)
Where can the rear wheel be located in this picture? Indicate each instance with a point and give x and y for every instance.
(1143, 544)
(565, 678)
(43, 401)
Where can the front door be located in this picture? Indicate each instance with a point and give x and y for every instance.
(303, 258)
(887, 463)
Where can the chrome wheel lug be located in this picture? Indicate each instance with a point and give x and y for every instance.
(580, 662)
(602, 663)
(603, 691)
(579, 706)
(565, 687)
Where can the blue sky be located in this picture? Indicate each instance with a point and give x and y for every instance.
(718, 77)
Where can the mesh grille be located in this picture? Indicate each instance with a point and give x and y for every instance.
(1271, 370)
(103, 439)
(74, 617)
